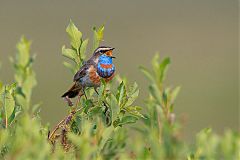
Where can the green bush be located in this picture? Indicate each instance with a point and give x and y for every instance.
(105, 126)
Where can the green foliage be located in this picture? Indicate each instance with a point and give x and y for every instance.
(160, 122)
(211, 146)
(79, 46)
(21, 136)
(98, 36)
(119, 104)
(24, 74)
(7, 104)
(103, 115)
(107, 125)
(75, 35)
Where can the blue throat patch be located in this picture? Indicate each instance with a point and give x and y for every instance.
(105, 59)
(105, 72)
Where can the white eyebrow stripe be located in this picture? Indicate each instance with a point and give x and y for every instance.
(103, 49)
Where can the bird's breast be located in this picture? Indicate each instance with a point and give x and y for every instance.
(105, 70)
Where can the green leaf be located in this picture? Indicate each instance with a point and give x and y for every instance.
(127, 120)
(21, 100)
(97, 36)
(155, 60)
(101, 91)
(155, 65)
(8, 103)
(175, 93)
(147, 74)
(74, 127)
(19, 74)
(94, 110)
(84, 48)
(23, 49)
(134, 110)
(11, 87)
(27, 86)
(121, 95)
(105, 137)
(87, 105)
(165, 97)
(132, 94)
(74, 34)
(155, 93)
(12, 116)
(71, 54)
(163, 68)
(115, 109)
(1, 86)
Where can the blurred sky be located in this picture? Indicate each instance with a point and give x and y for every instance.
(200, 36)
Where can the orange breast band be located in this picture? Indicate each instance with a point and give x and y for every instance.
(106, 66)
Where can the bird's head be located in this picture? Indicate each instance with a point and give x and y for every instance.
(103, 50)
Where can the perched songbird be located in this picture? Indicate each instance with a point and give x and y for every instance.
(99, 66)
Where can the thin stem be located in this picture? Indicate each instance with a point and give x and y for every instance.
(4, 104)
(79, 53)
(61, 122)
(159, 127)
(56, 128)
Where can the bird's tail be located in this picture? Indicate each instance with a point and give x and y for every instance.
(73, 91)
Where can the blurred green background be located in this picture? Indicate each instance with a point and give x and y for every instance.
(201, 37)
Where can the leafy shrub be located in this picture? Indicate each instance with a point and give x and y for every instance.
(105, 126)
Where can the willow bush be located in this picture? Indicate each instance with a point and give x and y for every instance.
(109, 125)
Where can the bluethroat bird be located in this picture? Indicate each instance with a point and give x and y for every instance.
(100, 65)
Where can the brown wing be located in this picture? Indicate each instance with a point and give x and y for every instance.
(81, 73)
(83, 70)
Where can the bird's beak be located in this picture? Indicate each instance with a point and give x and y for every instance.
(111, 50)
(109, 53)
